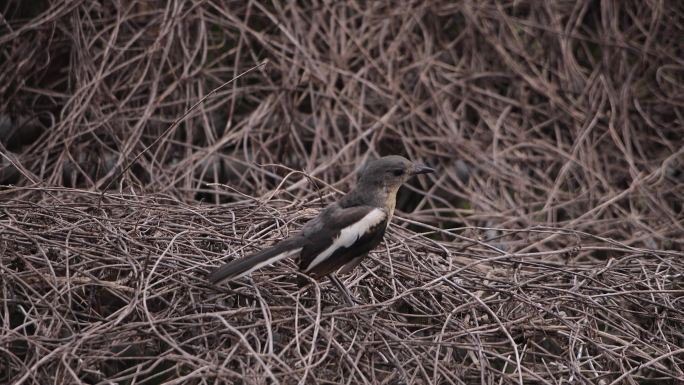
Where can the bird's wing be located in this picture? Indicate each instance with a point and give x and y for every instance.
(340, 235)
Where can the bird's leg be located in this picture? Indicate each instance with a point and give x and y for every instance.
(343, 290)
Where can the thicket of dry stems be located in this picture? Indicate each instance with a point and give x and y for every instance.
(546, 249)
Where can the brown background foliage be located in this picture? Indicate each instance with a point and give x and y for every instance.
(546, 249)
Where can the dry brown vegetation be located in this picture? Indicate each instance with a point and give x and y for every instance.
(546, 249)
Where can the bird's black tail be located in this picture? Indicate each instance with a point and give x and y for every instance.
(243, 266)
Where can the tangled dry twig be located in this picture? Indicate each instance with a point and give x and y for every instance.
(118, 295)
(551, 246)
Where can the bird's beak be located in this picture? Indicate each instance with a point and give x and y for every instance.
(422, 169)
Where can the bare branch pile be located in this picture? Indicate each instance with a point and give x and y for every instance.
(547, 248)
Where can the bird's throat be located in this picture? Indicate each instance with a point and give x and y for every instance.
(391, 202)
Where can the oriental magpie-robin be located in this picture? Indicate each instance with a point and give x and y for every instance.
(344, 232)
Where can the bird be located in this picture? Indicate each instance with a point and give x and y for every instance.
(343, 233)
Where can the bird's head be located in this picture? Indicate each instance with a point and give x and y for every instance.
(391, 172)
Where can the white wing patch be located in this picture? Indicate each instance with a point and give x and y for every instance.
(349, 235)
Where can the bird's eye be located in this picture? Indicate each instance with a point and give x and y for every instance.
(398, 172)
